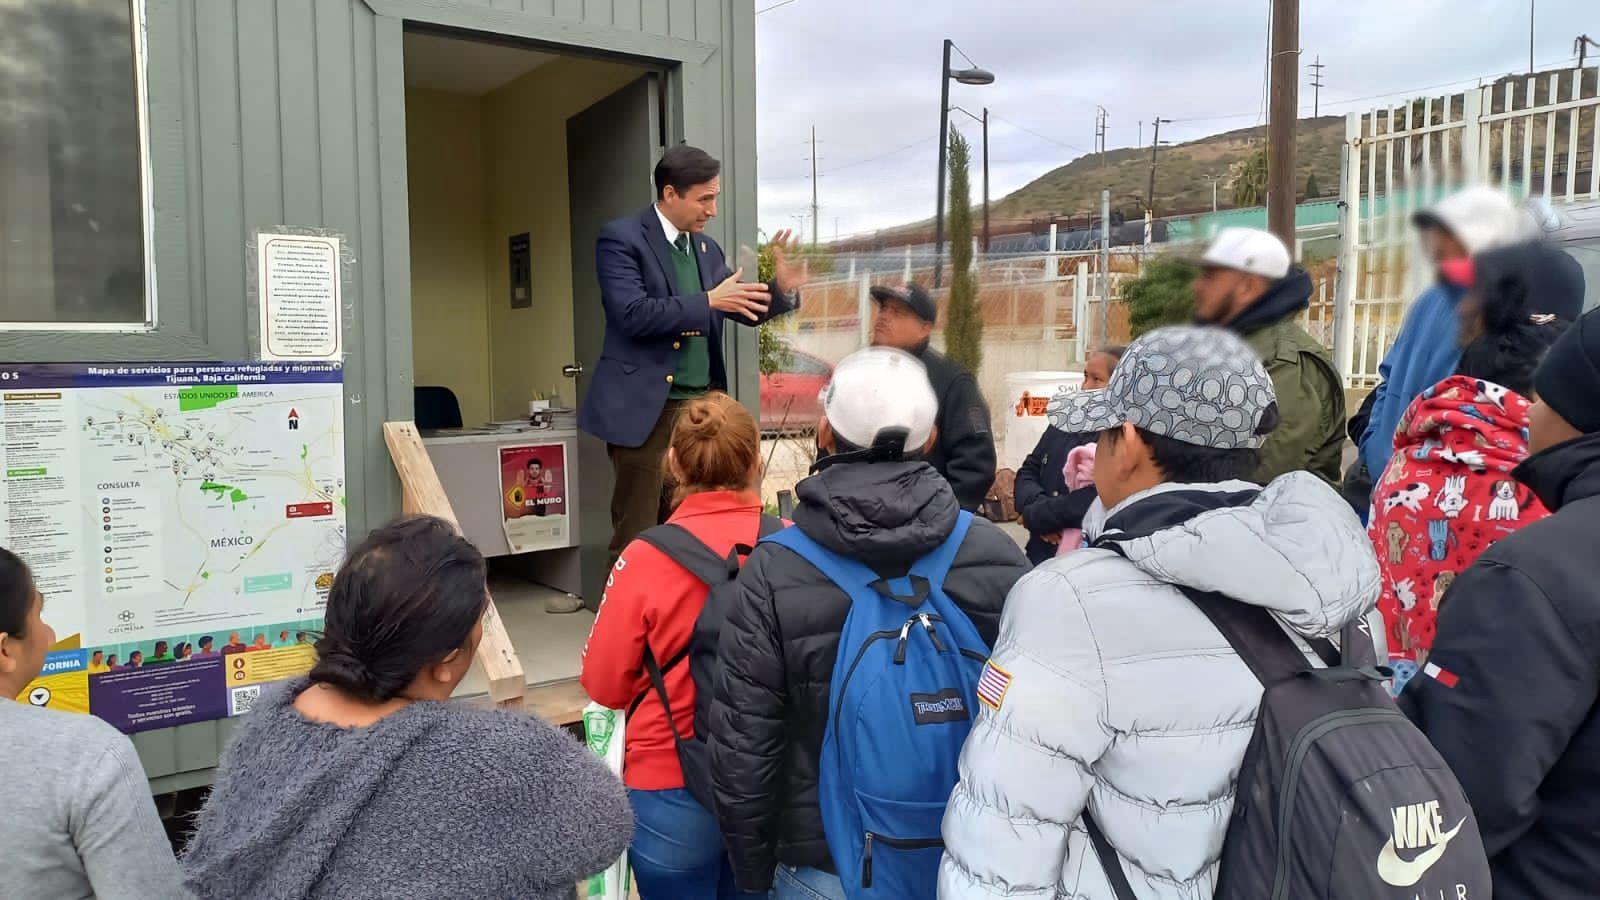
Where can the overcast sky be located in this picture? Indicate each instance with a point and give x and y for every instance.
(865, 73)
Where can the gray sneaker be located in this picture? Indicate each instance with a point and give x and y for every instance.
(562, 604)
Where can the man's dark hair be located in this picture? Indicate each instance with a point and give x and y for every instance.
(405, 598)
(535, 462)
(1186, 463)
(683, 167)
(207, 641)
(16, 593)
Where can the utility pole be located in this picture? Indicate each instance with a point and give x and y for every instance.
(1100, 117)
(1213, 179)
(1105, 268)
(1141, 133)
(1284, 109)
(1155, 144)
(944, 148)
(814, 217)
(1316, 86)
(1530, 37)
(1581, 47)
(986, 179)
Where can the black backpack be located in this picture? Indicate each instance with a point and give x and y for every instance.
(1339, 797)
(720, 574)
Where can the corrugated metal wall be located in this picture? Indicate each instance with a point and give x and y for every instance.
(694, 20)
(269, 112)
(291, 112)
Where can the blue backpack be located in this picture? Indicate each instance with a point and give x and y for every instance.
(902, 702)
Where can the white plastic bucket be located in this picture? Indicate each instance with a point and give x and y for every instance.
(1029, 394)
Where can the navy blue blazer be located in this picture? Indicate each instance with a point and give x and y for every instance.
(645, 314)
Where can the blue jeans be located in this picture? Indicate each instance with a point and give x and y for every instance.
(677, 851)
(794, 883)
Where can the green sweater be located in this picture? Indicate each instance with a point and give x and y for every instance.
(692, 377)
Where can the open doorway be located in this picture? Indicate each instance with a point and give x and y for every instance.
(516, 156)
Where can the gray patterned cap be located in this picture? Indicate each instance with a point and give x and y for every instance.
(1198, 385)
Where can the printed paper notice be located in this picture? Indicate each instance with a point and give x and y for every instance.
(298, 286)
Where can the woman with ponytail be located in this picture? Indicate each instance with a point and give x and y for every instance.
(363, 780)
(650, 610)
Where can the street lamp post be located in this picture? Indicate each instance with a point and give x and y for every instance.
(972, 75)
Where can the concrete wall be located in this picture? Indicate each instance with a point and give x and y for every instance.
(449, 287)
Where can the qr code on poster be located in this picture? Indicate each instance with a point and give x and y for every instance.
(242, 700)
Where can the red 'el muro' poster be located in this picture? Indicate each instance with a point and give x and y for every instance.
(533, 497)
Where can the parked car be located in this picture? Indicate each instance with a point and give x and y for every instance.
(1579, 235)
(789, 397)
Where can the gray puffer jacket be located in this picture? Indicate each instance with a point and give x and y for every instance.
(1117, 695)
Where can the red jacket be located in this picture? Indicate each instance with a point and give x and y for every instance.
(1445, 497)
(651, 598)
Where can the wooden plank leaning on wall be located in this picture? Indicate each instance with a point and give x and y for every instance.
(424, 494)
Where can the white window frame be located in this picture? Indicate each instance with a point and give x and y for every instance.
(136, 17)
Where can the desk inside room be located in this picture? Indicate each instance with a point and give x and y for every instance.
(475, 467)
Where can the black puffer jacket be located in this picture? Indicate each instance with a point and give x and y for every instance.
(1510, 695)
(964, 450)
(782, 636)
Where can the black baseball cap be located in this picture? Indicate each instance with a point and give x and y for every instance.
(911, 294)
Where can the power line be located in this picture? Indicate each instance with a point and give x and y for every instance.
(1396, 92)
(1043, 137)
(774, 6)
(1266, 69)
(859, 162)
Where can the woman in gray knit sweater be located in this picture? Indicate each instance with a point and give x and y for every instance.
(364, 781)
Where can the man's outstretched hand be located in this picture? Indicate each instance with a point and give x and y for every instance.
(736, 298)
(789, 275)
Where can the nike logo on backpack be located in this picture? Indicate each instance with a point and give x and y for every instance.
(1415, 825)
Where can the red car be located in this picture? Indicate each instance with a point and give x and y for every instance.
(789, 398)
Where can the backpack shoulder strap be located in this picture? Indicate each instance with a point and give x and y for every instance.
(1110, 863)
(682, 547)
(851, 575)
(936, 565)
(1252, 632)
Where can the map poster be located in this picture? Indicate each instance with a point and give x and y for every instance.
(177, 517)
(533, 495)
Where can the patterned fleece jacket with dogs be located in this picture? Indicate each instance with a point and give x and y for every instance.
(1446, 496)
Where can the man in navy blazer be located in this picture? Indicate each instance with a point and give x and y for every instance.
(667, 289)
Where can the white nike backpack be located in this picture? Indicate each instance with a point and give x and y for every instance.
(1339, 797)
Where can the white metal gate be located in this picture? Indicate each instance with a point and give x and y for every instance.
(1534, 135)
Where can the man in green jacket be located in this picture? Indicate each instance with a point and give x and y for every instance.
(1249, 286)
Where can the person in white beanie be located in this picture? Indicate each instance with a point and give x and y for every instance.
(874, 498)
(1426, 350)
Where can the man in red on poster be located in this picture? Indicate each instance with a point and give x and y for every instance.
(533, 480)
